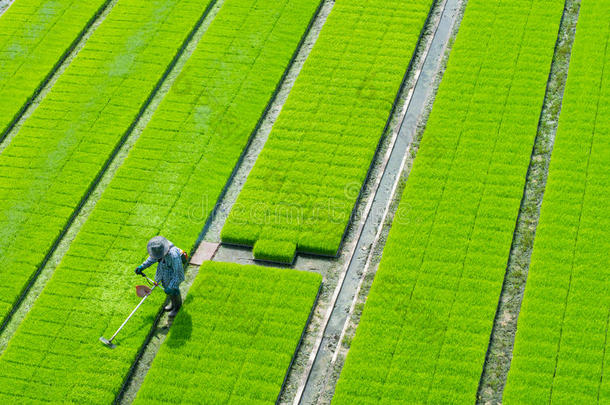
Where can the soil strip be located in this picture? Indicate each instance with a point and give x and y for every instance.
(4, 5)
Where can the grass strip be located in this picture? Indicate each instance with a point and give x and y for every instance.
(35, 38)
(235, 338)
(499, 352)
(182, 160)
(561, 346)
(307, 179)
(431, 308)
(51, 164)
(274, 251)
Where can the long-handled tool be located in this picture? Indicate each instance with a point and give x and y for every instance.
(142, 291)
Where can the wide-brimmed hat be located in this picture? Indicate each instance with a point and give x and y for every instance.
(157, 247)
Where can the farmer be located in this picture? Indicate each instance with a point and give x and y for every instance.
(170, 270)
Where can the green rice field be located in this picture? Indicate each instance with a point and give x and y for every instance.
(344, 245)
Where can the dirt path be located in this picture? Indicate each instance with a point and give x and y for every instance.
(5, 4)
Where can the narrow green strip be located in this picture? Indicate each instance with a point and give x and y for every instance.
(168, 185)
(34, 37)
(561, 352)
(235, 338)
(307, 179)
(48, 167)
(425, 328)
(274, 251)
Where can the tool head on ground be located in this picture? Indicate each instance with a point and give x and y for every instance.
(107, 342)
(142, 290)
(157, 247)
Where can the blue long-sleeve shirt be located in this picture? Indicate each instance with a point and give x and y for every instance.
(170, 272)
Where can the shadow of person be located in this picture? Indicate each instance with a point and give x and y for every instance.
(181, 329)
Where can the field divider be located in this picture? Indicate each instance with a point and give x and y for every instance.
(151, 333)
(114, 161)
(60, 66)
(4, 5)
(403, 176)
(501, 340)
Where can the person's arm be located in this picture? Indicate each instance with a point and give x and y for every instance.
(145, 264)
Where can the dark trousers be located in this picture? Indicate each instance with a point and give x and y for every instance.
(176, 303)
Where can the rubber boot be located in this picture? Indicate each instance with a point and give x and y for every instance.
(176, 304)
(169, 306)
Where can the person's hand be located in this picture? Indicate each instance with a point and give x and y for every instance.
(139, 270)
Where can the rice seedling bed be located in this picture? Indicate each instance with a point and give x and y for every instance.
(188, 150)
(35, 38)
(561, 346)
(236, 337)
(429, 314)
(61, 150)
(301, 192)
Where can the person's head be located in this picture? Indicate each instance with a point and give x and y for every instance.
(158, 247)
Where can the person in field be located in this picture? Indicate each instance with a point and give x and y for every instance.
(170, 269)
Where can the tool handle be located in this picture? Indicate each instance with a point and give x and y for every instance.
(153, 282)
(132, 312)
